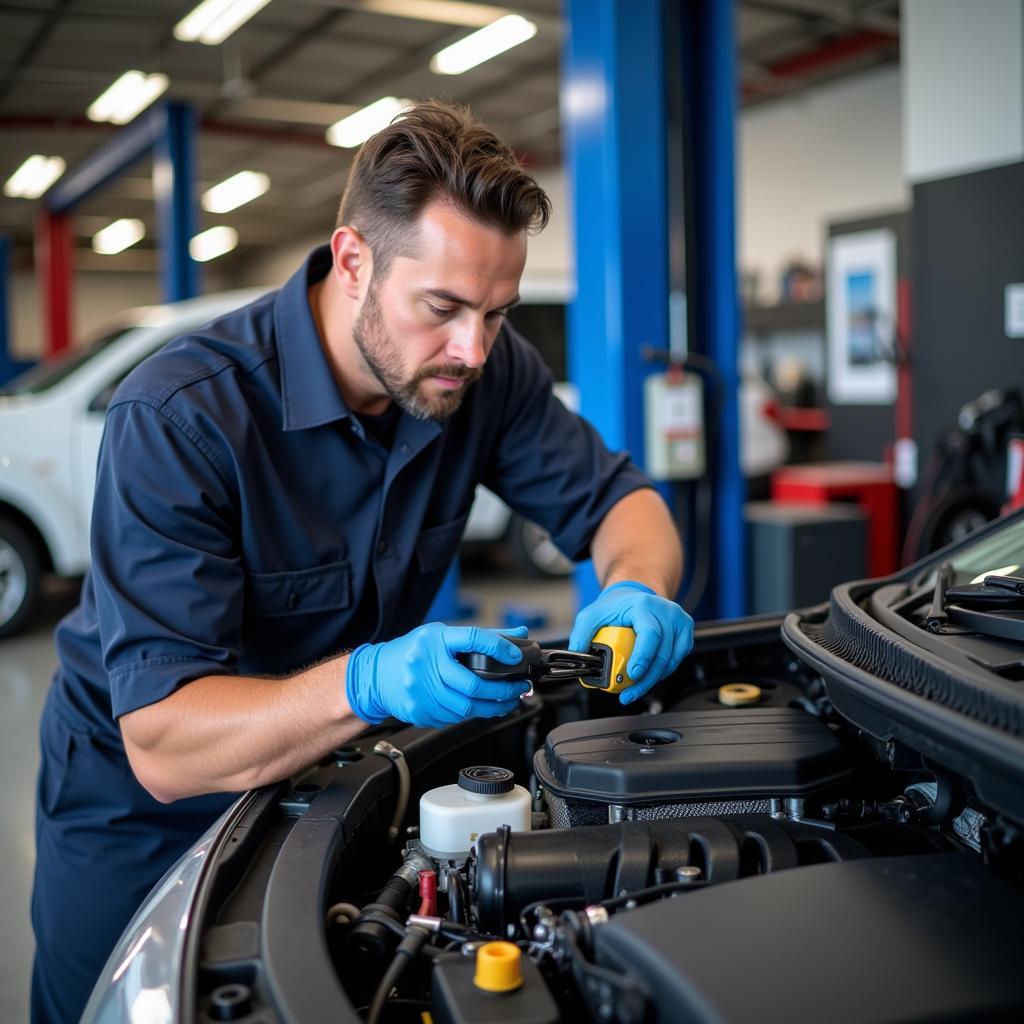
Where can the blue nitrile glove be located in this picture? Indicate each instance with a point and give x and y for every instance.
(664, 632)
(416, 679)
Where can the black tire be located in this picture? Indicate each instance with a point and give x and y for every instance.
(533, 551)
(955, 516)
(20, 575)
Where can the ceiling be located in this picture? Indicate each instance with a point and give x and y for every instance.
(266, 95)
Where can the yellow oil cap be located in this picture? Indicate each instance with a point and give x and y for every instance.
(739, 695)
(497, 967)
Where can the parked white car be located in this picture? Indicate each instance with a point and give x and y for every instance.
(51, 421)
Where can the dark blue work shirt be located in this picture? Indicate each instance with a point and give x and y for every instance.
(246, 523)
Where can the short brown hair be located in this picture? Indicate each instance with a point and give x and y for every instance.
(436, 151)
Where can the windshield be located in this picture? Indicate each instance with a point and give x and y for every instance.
(50, 372)
(1000, 554)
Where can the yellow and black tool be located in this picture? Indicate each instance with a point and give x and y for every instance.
(603, 667)
(615, 645)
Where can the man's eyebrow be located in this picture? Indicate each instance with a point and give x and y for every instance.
(446, 296)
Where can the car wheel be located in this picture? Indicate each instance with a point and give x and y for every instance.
(954, 517)
(20, 571)
(534, 551)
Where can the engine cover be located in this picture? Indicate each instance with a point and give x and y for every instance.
(685, 764)
(921, 938)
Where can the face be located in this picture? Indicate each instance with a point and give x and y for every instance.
(424, 332)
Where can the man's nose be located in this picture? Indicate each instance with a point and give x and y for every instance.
(468, 343)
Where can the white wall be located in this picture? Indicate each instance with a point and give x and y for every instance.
(963, 85)
(832, 153)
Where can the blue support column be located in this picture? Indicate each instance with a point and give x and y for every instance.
(710, 84)
(613, 98)
(174, 177)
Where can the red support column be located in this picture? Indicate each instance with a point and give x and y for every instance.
(54, 246)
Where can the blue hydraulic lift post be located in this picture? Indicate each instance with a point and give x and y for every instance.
(169, 133)
(613, 116)
(711, 84)
(174, 177)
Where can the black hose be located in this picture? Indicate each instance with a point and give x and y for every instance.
(408, 949)
(456, 897)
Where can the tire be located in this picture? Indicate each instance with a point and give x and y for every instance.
(954, 517)
(534, 552)
(20, 575)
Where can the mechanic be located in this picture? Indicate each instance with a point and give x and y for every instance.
(279, 497)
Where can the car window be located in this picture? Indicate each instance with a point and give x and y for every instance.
(51, 372)
(1002, 552)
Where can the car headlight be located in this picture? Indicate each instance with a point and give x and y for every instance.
(141, 980)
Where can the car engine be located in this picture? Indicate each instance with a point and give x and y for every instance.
(736, 851)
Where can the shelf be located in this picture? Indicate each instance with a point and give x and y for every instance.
(787, 316)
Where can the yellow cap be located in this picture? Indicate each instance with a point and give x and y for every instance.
(739, 695)
(497, 967)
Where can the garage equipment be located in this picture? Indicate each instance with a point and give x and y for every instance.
(603, 667)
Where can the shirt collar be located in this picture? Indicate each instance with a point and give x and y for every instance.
(310, 396)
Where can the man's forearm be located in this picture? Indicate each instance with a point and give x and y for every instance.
(637, 540)
(231, 733)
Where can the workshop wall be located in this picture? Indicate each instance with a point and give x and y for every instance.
(831, 153)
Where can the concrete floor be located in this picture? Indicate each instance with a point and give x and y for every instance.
(26, 666)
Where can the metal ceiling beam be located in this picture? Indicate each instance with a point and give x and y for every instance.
(33, 46)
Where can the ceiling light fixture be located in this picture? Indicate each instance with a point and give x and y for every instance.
(117, 237)
(239, 189)
(213, 242)
(358, 127)
(214, 20)
(127, 97)
(34, 177)
(499, 36)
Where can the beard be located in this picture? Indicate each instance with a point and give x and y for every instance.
(412, 392)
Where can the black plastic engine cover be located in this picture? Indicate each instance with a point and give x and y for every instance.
(906, 939)
(691, 755)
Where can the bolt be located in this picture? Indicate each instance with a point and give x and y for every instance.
(687, 873)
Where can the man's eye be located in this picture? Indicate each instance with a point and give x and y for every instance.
(437, 311)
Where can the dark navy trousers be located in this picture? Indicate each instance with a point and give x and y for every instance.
(102, 842)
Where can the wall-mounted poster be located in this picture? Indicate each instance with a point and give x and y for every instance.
(861, 318)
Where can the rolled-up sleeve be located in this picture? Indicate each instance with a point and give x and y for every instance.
(168, 577)
(550, 464)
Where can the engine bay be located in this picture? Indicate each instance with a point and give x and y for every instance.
(734, 850)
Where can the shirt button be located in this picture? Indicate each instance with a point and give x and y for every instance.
(382, 547)
(403, 447)
(293, 600)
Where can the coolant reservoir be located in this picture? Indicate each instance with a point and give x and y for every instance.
(451, 817)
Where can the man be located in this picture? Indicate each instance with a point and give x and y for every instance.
(290, 483)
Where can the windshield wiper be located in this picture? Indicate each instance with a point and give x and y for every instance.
(936, 617)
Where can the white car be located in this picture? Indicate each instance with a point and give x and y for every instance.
(51, 421)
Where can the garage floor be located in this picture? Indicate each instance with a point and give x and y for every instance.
(26, 665)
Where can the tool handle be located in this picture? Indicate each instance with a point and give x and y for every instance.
(616, 644)
(487, 667)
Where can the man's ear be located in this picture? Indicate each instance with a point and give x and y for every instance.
(353, 264)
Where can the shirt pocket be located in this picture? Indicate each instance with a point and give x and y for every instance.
(436, 546)
(274, 595)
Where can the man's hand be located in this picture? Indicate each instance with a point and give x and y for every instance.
(416, 679)
(664, 632)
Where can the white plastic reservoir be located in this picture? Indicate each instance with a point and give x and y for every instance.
(452, 817)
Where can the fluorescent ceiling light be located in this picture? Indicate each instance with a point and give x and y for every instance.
(117, 237)
(499, 36)
(214, 20)
(127, 97)
(240, 188)
(213, 242)
(358, 127)
(34, 177)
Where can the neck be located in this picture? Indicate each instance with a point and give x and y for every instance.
(334, 318)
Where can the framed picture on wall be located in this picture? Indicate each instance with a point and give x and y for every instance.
(860, 312)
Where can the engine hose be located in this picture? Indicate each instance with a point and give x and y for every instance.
(456, 897)
(408, 949)
(397, 758)
(370, 936)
